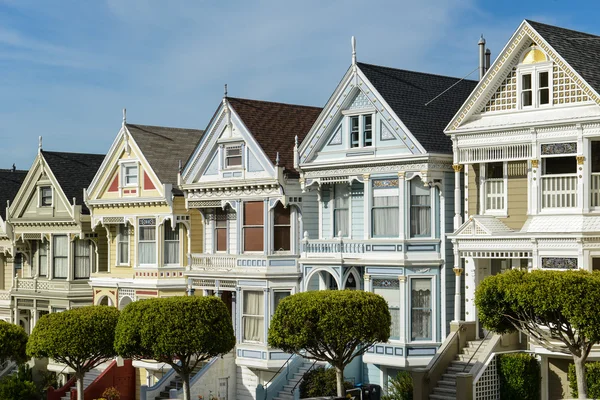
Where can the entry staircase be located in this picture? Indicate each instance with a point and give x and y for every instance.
(177, 383)
(464, 362)
(88, 378)
(286, 392)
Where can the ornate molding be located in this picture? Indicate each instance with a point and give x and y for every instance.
(457, 167)
(534, 163)
(580, 160)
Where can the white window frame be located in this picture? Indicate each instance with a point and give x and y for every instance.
(379, 192)
(243, 333)
(39, 246)
(483, 188)
(289, 290)
(124, 175)
(401, 301)
(334, 233)
(41, 196)
(165, 241)
(534, 70)
(121, 241)
(431, 212)
(360, 114)
(54, 257)
(216, 228)
(138, 241)
(76, 256)
(433, 309)
(226, 157)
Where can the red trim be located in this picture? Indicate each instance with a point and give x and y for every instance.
(147, 292)
(148, 185)
(114, 186)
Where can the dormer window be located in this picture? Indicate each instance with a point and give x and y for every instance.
(534, 81)
(130, 174)
(46, 196)
(361, 131)
(233, 156)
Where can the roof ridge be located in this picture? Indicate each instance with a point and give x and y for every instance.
(73, 153)
(529, 21)
(274, 102)
(164, 127)
(13, 170)
(419, 72)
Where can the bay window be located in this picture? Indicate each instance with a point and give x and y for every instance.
(82, 258)
(281, 228)
(385, 210)
(220, 229)
(420, 309)
(253, 316)
(60, 256)
(341, 214)
(254, 226)
(147, 241)
(420, 209)
(171, 243)
(123, 245)
(389, 289)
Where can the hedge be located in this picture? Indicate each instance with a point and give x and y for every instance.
(320, 382)
(592, 378)
(520, 376)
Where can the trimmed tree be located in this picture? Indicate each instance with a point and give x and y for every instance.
(81, 338)
(13, 343)
(331, 326)
(559, 310)
(180, 331)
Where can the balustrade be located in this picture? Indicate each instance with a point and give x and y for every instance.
(212, 261)
(559, 191)
(494, 194)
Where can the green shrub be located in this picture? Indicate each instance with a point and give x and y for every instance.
(320, 381)
(520, 376)
(19, 386)
(400, 387)
(592, 378)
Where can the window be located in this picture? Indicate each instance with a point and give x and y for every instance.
(253, 316)
(526, 90)
(147, 241)
(253, 226)
(221, 229)
(494, 190)
(389, 289)
(130, 174)
(534, 78)
(43, 258)
(420, 309)
(282, 228)
(46, 196)
(341, 213)
(171, 244)
(18, 264)
(420, 209)
(82, 259)
(354, 132)
(279, 295)
(543, 88)
(367, 131)
(385, 211)
(123, 245)
(60, 256)
(361, 130)
(559, 165)
(233, 156)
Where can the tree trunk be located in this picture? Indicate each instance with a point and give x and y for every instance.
(580, 373)
(186, 386)
(339, 374)
(79, 385)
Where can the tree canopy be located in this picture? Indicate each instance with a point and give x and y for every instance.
(81, 338)
(13, 342)
(331, 326)
(559, 310)
(180, 331)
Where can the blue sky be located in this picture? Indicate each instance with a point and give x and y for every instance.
(67, 68)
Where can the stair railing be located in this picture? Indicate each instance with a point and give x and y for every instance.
(287, 371)
(476, 350)
(301, 379)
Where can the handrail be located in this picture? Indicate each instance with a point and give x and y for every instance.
(300, 380)
(476, 350)
(266, 385)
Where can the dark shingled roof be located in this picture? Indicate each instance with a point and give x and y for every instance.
(407, 92)
(274, 126)
(74, 172)
(10, 182)
(581, 50)
(163, 147)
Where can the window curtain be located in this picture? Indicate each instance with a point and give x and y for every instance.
(392, 296)
(253, 316)
(420, 210)
(123, 244)
(43, 258)
(421, 309)
(385, 216)
(147, 245)
(340, 209)
(171, 244)
(61, 256)
(82, 259)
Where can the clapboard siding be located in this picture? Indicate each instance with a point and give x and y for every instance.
(358, 210)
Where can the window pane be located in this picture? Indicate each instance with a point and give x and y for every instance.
(170, 233)
(368, 131)
(420, 210)
(221, 239)
(147, 253)
(495, 170)
(60, 259)
(543, 80)
(385, 216)
(43, 258)
(234, 161)
(253, 239)
(560, 165)
(46, 194)
(282, 215)
(389, 290)
(253, 213)
(123, 244)
(526, 82)
(171, 243)
(147, 233)
(354, 131)
(220, 217)
(253, 316)
(277, 297)
(82, 259)
(596, 156)
(421, 309)
(282, 238)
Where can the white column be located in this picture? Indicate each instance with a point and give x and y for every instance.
(70, 258)
(267, 312)
(466, 184)
(403, 305)
(535, 185)
(403, 203)
(367, 279)
(470, 276)
(457, 197)
(367, 201)
(320, 208)
(233, 311)
(457, 292)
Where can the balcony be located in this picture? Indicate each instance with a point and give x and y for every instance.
(559, 191)
(240, 262)
(36, 285)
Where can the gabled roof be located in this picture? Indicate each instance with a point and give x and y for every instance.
(274, 126)
(163, 147)
(408, 92)
(579, 49)
(74, 172)
(10, 182)
(482, 225)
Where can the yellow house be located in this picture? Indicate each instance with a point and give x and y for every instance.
(149, 232)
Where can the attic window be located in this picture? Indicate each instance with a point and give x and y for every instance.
(233, 156)
(361, 130)
(130, 174)
(45, 196)
(534, 79)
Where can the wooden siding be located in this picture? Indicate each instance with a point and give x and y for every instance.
(103, 260)
(326, 211)
(310, 215)
(473, 190)
(517, 195)
(358, 210)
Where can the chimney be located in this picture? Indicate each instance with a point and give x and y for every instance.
(481, 45)
(488, 56)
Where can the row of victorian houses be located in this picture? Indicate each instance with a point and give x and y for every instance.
(410, 185)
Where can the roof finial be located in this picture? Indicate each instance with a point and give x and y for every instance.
(39, 144)
(353, 41)
(225, 90)
(124, 116)
(277, 160)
